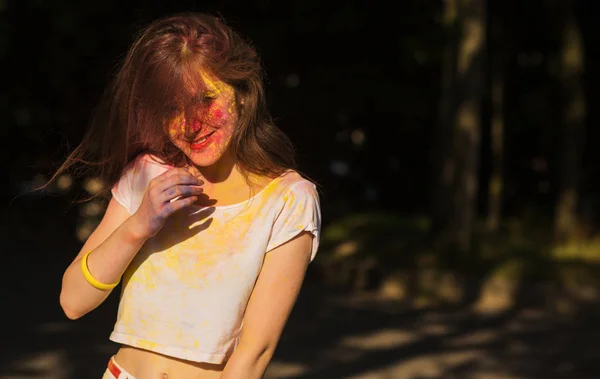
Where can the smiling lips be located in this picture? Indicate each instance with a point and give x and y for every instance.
(201, 143)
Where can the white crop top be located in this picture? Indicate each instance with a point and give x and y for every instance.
(185, 293)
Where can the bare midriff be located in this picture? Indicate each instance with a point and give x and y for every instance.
(144, 364)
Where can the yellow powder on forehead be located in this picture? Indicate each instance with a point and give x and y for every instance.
(215, 87)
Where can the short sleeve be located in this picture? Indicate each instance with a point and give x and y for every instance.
(122, 190)
(129, 190)
(300, 212)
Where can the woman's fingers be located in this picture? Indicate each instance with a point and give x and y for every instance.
(174, 206)
(179, 190)
(176, 176)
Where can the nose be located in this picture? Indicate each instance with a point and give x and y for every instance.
(196, 126)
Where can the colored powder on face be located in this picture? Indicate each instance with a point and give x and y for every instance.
(216, 88)
(196, 126)
(213, 87)
(214, 116)
(231, 108)
(177, 126)
(217, 113)
(222, 95)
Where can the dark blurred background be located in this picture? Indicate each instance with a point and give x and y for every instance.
(455, 150)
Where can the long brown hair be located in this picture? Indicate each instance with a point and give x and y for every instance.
(153, 84)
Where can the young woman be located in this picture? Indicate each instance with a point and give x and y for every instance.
(209, 228)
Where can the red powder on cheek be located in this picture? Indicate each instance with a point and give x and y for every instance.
(215, 116)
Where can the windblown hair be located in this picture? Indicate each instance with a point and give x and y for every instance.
(161, 77)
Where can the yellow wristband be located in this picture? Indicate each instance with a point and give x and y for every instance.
(88, 276)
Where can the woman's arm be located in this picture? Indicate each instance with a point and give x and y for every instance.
(119, 237)
(114, 244)
(269, 307)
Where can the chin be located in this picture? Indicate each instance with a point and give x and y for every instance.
(208, 155)
(206, 158)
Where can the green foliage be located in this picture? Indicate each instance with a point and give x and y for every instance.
(397, 246)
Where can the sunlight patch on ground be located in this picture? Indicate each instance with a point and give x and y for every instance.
(284, 370)
(436, 366)
(435, 329)
(46, 365)
(480, 337)
(381, 339)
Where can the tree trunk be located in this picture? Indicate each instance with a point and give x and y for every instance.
(442, 159)
(572, 128)
(458, 134)
(496, 181)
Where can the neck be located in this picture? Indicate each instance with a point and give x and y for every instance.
(221, 171)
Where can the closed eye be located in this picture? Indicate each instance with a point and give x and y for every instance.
(205, 98)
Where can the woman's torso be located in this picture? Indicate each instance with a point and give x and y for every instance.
(144, 364)
(217, 257)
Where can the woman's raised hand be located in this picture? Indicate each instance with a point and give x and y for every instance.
(167, 193)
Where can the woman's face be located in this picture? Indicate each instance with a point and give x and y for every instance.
(211, 127)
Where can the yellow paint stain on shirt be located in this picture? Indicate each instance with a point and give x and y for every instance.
(148, 345)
